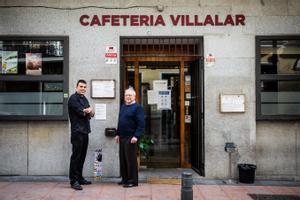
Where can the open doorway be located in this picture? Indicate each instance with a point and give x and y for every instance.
(167, 74)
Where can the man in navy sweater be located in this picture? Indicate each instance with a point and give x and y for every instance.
(130, 127)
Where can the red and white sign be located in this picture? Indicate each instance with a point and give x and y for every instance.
(111, 56)
(210, 60)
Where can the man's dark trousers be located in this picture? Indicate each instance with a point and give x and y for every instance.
(79, 148)
(128, 160)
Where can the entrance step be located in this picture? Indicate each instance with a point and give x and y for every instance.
(165, 174)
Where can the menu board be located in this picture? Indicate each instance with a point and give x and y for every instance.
(232, 102)
(103, 88)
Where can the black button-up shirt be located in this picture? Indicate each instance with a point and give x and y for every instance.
(80, 123)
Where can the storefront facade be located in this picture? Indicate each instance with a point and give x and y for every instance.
(207, 73)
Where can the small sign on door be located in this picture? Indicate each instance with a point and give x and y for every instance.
(187, 118)
(164, 100)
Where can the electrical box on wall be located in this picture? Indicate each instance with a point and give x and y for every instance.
(232, 103)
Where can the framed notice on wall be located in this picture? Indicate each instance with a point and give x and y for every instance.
(232, 102)
(103, 88)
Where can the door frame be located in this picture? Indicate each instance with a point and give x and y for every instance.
(180, 59)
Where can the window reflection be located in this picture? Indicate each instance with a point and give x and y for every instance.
(31, 57)
(31, 98)
(280, 97)
(280, 57)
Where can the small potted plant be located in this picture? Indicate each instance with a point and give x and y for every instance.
(144, 145)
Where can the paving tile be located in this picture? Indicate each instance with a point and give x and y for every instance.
(296, 190)
(257, 190)
(281, 190)
(196, 193)
(211, 192)
(109, 191)
(26, 190)
(4, 184)
(236, 192)
(142, 192)
(60, 191)
(165, 192)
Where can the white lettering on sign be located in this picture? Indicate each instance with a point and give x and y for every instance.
(232, 102)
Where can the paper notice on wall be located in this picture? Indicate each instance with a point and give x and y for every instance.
(164, 100)
(232, 102)
(187, 79)
(187, 119)
(103, 88)
(187, 103)
(152, 96)
(160, 85)
(100, 111)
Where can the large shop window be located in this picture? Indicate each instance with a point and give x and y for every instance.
(33, 78)
(278, 77)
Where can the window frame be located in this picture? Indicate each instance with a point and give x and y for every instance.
(275, 77)
(64, 78)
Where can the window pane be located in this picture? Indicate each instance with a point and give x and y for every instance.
(29, 98)
(280, 97)
(280, 109)
(279, 86)
(31, 57)
(280, 57)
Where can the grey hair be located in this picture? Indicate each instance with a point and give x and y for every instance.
(131, 91)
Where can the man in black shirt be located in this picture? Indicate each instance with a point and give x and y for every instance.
(80, 114)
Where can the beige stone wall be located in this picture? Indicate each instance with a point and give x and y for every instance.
(43, 148)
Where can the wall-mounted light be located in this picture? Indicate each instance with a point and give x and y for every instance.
(160, 8)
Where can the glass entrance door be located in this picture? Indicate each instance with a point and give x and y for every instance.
(162, 118)
(160, 97)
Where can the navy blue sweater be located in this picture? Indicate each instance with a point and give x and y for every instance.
(131, 120)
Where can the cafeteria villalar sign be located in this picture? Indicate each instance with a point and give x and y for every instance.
(152, 20)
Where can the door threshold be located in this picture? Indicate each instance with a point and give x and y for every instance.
(165, 174)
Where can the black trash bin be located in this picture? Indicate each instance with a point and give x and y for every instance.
(246, 173)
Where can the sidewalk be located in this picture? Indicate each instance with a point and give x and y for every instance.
(111, 191)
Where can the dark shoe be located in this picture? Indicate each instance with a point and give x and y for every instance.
(85, 182)
(122, 182)
(76, 186)
(128, 185)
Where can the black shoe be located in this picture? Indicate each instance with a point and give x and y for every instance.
(128, 185)
(122, 182)
(85, 182)
(76, 186)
